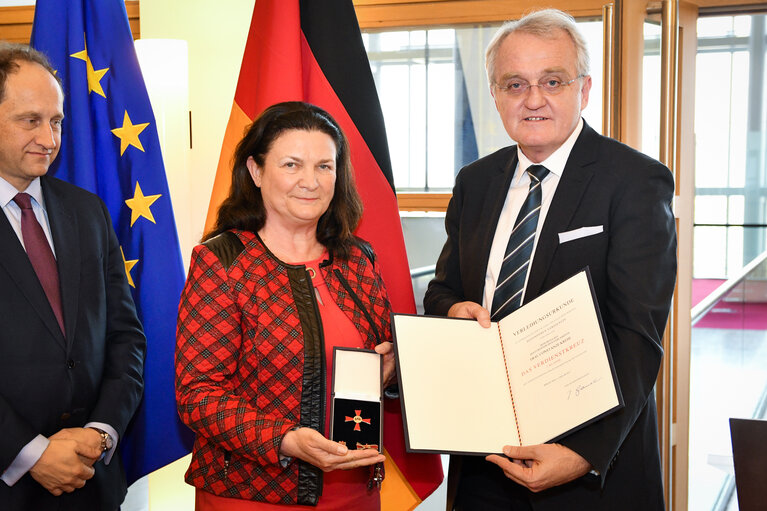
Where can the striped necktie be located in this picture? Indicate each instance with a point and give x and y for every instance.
(40, 255)
(516, 260)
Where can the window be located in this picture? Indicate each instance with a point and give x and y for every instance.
(436, 102)
(729, 231)
(731, 168)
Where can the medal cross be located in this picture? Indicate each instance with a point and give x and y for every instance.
(357, 420)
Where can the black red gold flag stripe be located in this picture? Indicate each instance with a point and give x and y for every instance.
(312, 51)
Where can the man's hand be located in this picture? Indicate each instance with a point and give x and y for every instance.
(539, 467)
(387, 350)
(312, 447)
(470, 310)
(88, 437)
(67, 462)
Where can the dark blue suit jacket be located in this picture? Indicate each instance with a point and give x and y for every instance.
(49, 381)
(633, 268)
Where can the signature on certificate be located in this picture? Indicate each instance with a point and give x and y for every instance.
(581, 387)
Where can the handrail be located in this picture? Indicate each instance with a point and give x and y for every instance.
(696, 313)
(423, 271)
(700, 310)
(727, 489)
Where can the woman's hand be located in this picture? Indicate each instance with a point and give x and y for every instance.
(310, 446)
(387, 350)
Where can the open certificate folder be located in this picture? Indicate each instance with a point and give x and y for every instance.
(538, 374)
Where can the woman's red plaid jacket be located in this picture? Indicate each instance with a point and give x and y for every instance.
(250, 361)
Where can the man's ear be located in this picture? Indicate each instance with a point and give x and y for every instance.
(585, 89)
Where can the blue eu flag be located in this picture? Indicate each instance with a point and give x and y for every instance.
(110, 147)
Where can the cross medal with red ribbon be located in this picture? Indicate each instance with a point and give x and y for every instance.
(357, 419)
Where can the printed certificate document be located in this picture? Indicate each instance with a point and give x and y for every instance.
(538, 374)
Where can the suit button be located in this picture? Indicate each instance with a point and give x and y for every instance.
(71, 363)
(66, 416)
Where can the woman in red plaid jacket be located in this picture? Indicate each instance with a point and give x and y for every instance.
(272, 289)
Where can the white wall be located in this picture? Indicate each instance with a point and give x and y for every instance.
(215, 33)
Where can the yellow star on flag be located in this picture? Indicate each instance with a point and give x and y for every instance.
(139, 205)
(94, 75)
(128, 267)
(128, 134)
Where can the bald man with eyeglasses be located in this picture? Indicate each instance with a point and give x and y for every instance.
(530, 215)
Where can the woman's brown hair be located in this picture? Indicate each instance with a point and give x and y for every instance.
(244, 207)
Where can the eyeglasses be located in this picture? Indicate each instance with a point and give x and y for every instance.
(550, 86)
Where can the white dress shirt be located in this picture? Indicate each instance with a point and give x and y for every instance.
(515, 199)
(13, 211)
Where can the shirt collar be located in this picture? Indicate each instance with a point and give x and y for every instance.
(8, 191)
(557, 160)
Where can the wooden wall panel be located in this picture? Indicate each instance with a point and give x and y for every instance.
(409, 13)
(16, 22)
(423, 201)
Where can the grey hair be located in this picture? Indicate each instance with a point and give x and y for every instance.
(542, 23)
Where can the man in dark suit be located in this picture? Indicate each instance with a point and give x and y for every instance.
(71, 345)
(599, 204)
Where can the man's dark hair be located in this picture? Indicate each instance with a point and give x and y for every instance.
(244, 207)
(13, 53)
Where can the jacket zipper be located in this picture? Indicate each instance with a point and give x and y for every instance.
(323, 366)
(227, 457)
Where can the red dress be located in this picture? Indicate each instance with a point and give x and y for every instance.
(341, 489)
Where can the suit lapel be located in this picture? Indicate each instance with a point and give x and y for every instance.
(487, 222)
(16, 263)
(566, 200)
(65, 233)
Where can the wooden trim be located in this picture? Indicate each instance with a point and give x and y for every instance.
(132, 6)
(16, 22)
(629, 87)
(373, 14)
(610, 72)
(18, 14)
(668, 151)
(736, 4)
(685, 194)
(423, 201)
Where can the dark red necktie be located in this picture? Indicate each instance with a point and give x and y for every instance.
(40, 255)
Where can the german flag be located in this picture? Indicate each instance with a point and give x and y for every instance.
(304, 50)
